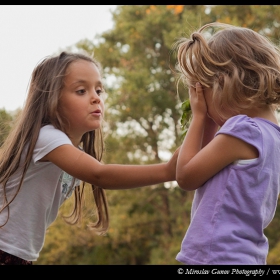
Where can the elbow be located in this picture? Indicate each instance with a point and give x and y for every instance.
(184, 186)
(185, 183)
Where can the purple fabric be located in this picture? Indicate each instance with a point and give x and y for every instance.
(231, 210)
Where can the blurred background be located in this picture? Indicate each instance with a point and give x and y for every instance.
(143, 125)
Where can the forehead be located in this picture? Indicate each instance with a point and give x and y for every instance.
(82, 69)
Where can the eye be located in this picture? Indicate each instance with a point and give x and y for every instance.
(81, 91)
(100, 91)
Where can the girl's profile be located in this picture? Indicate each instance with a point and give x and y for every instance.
(53, 150)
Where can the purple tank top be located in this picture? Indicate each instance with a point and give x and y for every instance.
(230, 211)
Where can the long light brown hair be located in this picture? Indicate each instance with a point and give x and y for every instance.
(241, 66)
(40, 109)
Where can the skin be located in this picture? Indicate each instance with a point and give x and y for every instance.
(81, 104)
(200, 144)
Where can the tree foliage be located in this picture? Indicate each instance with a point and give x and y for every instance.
(6, 122)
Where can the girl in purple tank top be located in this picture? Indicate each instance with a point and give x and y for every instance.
(230, 154)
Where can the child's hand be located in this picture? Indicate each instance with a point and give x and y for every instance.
(197, 100)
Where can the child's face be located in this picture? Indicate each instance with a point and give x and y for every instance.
(81, 102)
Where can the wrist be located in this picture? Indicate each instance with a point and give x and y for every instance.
(199, 118)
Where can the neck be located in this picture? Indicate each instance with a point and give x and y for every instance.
(266, 112)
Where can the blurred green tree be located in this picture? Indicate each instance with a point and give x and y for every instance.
(6, 122)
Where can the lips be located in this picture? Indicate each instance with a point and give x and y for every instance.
(96, 113)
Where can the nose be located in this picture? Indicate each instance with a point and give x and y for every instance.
(95, 98)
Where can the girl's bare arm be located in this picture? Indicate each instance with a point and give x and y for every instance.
(199, 161)
(111, 176)
(221, 151)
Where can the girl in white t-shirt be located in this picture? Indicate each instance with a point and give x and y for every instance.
(56, 143)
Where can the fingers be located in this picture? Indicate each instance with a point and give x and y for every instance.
(197, 99)
(196, 92)
(198, 87)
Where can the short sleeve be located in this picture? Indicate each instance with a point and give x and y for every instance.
(244, 128)
(49, 139)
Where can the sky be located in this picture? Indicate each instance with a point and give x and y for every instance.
(28, 33)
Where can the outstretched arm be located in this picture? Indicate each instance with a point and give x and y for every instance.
(111, 176)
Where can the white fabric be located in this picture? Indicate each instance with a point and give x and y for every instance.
(36, 206)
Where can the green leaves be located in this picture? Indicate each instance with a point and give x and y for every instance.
(185, 117)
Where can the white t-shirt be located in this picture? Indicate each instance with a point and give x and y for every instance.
(44, 189)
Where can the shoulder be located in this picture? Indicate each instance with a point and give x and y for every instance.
(51, 136)
(49, 139)
(50, 129)
(240, 124)
(242, 127)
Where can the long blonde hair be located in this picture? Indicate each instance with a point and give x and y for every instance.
(40, 109)
(241, 66)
